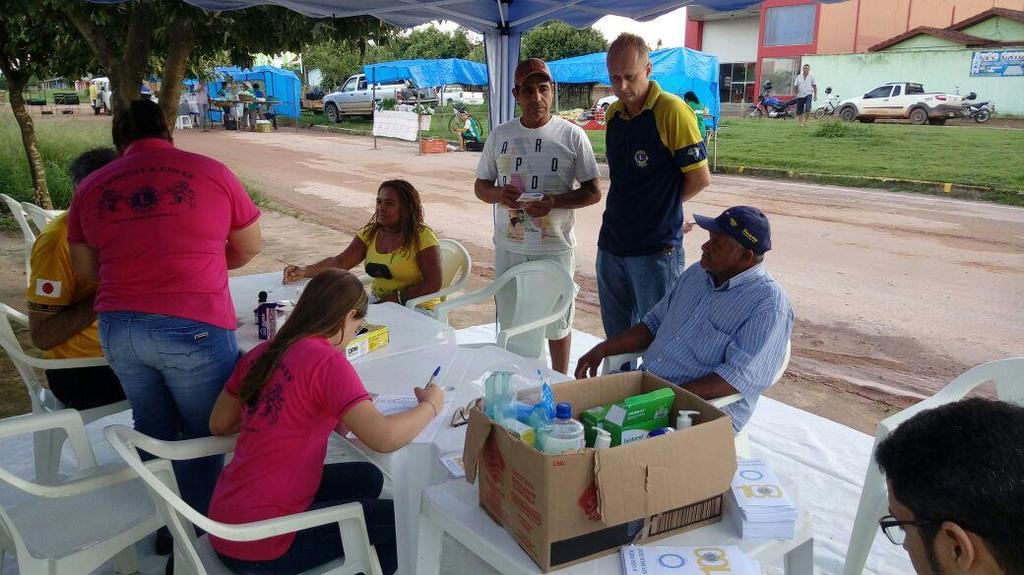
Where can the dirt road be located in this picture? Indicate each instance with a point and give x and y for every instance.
(894, 294)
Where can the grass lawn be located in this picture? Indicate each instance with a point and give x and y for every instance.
(962, 155)
(61, 139)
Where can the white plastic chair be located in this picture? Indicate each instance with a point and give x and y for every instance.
(183, 122)
(194, 555)
(47, 443)
(30, 237)
(544, 292)
(79, 525)
(41, 217)
(456, 268)
(1008, 375)
(613, 364)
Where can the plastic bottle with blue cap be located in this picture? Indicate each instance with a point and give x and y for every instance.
(565, 433)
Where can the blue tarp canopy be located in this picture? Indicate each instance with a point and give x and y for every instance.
(677, 70)
(429, 73)
(502, 23)
(275, 82)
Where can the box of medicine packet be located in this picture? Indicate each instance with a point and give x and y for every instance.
(571, 507)
(370, 338)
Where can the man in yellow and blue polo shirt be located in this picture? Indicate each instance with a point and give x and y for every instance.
(61, 320)
(656, 161)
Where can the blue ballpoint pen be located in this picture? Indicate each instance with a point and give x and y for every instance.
(431, 380)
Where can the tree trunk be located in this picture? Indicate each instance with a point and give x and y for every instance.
(175, 64)
(16, 86)
(126, 71)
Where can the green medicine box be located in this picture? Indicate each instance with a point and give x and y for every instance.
(630, 419)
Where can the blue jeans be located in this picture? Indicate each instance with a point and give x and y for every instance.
(628, 287)
(341, 483)
(172, 370)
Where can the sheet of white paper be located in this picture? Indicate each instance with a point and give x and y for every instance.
(391, 403)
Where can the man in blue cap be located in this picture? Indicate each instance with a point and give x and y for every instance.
(723, 327)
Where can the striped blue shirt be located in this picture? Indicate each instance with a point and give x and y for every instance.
(738, 330)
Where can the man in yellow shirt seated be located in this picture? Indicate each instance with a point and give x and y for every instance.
(61, 320)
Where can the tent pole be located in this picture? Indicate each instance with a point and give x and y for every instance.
(373, 107)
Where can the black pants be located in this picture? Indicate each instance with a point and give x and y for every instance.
(803, 105)
(341, 483)
(85, 387)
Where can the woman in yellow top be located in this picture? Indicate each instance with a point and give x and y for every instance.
(400, 251)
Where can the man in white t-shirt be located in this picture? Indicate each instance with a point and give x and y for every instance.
(806, 89)
(540, 153)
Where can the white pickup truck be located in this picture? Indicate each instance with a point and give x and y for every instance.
(902, 100)
(356, 97)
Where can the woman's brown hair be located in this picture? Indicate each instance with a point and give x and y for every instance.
(320, 311)
(411, 219)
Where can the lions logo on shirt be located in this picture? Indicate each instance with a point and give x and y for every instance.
(640, 158)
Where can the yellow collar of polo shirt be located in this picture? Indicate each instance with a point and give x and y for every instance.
(652, 97)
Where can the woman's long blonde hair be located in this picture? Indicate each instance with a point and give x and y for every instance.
(320, 311)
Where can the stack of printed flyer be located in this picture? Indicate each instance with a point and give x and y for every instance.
(758, 505)
(696, 560)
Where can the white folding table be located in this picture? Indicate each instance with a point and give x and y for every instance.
(417, 345)
(453, 508)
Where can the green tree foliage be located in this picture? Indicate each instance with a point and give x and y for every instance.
(336, 61)
(556, 40)
(36, 42)
(128, 37)
(431, 42)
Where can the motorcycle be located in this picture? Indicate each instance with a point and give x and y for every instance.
(768, 105)
(980, 112)
(830, 105)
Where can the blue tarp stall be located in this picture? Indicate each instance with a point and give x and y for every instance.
(275, 82)
(428, 73)
(677, 70)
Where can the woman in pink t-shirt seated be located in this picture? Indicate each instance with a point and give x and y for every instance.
(284, 399)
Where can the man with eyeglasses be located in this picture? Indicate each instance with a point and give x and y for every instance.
(956, 488)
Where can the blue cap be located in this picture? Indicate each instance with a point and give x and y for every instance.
(563, 411)
(747, 225)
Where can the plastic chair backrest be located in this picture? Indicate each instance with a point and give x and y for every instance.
(542, 289)
(42, 399)
(456, 264)
(158, 476)
(41, 217)
(30, 237)
(1008, 375)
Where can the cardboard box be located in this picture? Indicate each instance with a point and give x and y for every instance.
(568, 508)
(373, 337)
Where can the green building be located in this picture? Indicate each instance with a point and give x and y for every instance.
(983, 54)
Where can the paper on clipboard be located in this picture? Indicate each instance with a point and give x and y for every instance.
(391, 403)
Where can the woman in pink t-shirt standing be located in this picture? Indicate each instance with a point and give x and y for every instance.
(284, 399)
(159, 228)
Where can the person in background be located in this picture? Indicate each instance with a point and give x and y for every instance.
(656, 161)
(806, 92)
(61, 320)
(724, 326)
(203, 104)
(955, 478)
(467, 130)
(698, 111)
(284, 399)
(539, 153)
(400, 252)
(93, 93)
(252, 109)
(166, 319)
